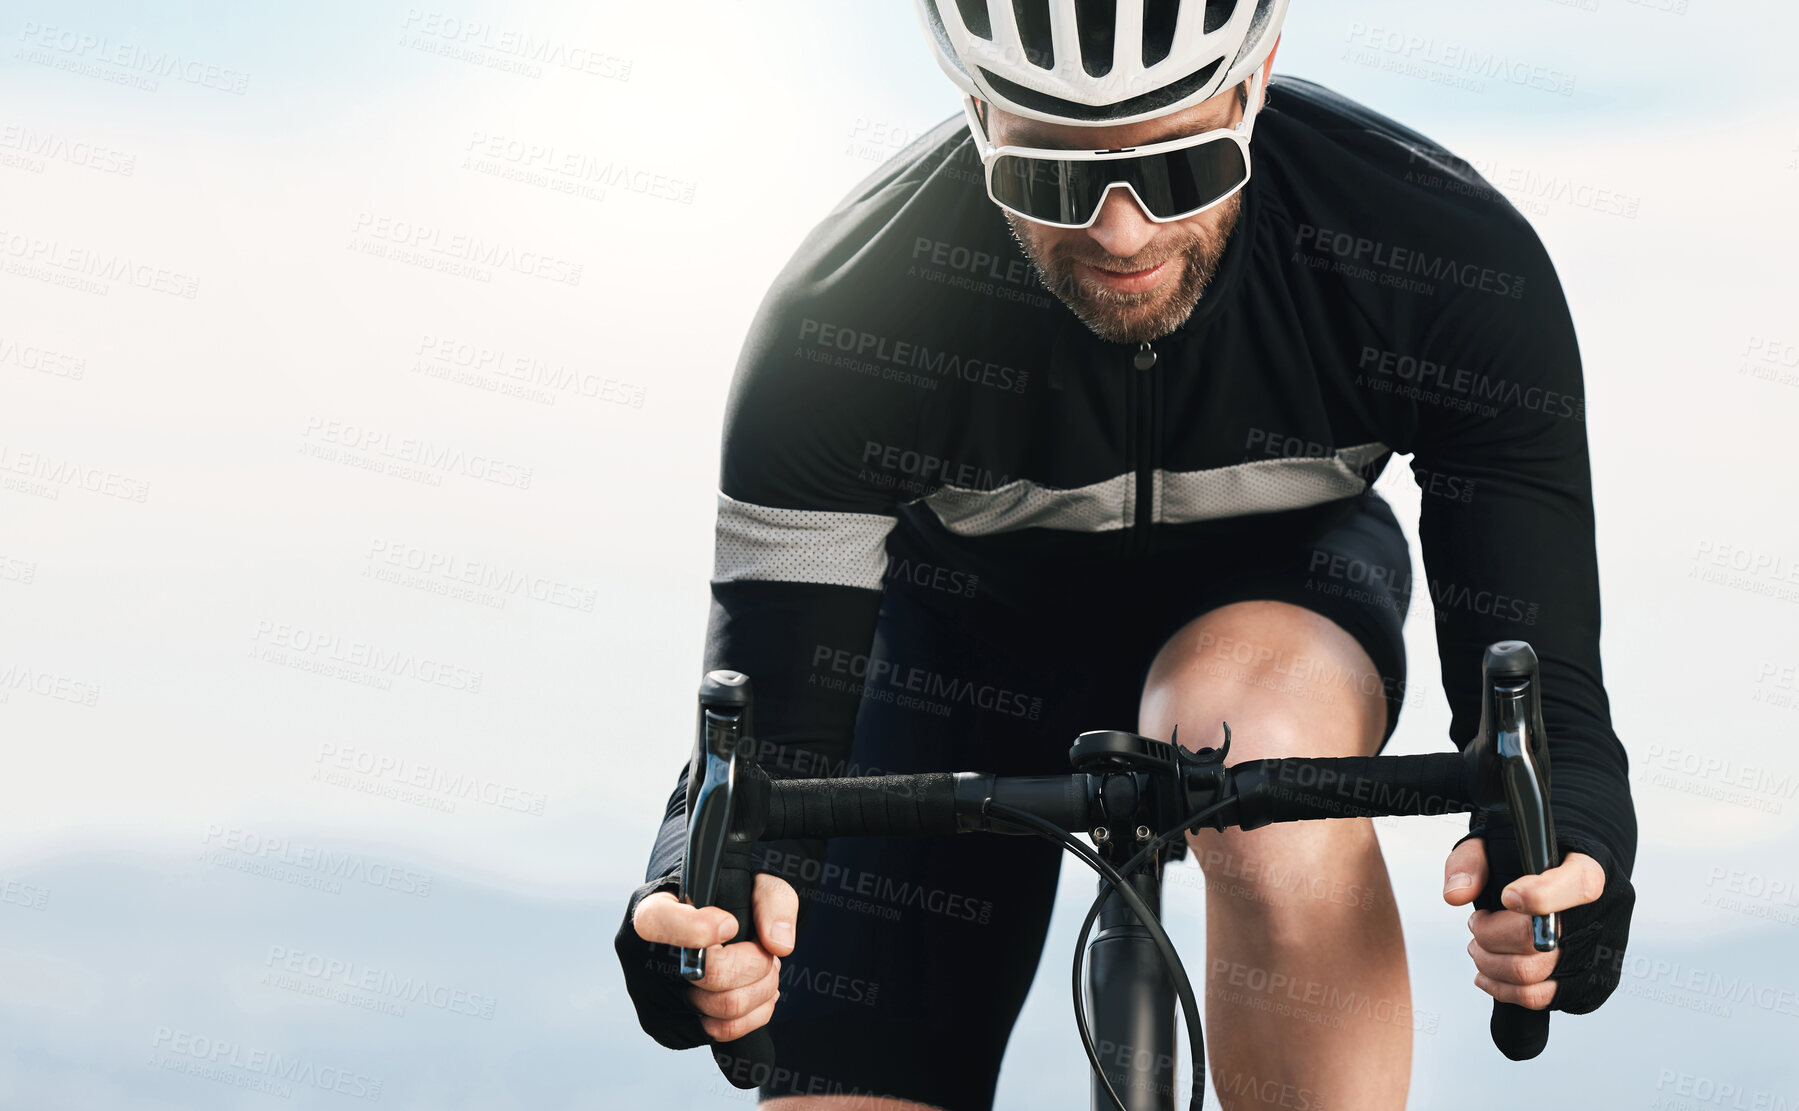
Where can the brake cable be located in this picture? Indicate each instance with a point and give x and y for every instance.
(1112, 879)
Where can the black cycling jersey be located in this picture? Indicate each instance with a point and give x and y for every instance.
(908, 371)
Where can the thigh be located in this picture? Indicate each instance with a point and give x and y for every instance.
(914, 955)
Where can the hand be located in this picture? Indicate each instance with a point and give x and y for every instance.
(742, 981)
(1509, 967)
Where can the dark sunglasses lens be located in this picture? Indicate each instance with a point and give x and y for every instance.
(1050, 189)
(1171, 184)
(1181, 181)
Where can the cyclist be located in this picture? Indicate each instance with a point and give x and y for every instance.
(1064, 419)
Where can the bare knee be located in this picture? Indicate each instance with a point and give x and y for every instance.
(1289, 681)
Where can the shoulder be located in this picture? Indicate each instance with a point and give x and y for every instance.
(1336, 168)
(1392, 221)
(913, 263)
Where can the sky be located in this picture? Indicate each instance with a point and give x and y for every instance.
(238, 323)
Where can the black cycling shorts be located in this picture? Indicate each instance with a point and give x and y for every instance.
(915, 954)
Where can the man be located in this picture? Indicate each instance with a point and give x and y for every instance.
(961, 520)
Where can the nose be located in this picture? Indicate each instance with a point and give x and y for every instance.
(1123, 228)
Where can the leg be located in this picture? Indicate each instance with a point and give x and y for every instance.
(1307, 983)
(914, 955)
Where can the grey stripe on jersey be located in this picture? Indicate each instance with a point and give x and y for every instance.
(1264, 486)
(799, 545)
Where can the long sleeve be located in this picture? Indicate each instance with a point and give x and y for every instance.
(1515, 558)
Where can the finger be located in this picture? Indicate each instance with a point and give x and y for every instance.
(1502, 931)
(730, 1029)
(1574, 882)
(666, 920)
(738, 1001)
(1536, 997)
(729, 967)
(776, 908)
(1509, 968)
(1465, 873)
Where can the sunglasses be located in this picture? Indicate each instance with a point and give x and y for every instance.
(1170, 180)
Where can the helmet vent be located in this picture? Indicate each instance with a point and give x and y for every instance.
(1098, 23)
(1159, 18)
(974, 17)
(1034, 33)
(1218, 13)
(1055, 106)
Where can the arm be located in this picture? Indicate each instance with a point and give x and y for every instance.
(1517, 560)
(798, 563)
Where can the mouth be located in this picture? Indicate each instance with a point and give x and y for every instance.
(1126, 281)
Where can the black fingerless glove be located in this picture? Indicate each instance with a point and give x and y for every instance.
(1592, 936)
(653, 978)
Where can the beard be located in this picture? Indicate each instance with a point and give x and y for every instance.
(1133, 317)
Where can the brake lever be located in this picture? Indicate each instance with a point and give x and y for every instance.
(724, 722)
(1511, 756)
(1513, 720)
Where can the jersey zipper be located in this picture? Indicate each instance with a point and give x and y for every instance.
(1143, 413)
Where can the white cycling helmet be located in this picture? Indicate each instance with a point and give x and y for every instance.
(1099, 62)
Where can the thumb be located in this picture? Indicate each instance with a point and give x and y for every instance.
(777, 906)
(1465, 873)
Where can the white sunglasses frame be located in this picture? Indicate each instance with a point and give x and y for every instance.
(1238, 133)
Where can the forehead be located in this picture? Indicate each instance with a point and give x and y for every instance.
(1007, 129)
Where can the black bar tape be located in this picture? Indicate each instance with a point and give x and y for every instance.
(870, 806)
(1294, 789)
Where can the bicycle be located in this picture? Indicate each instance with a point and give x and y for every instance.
(1133, 795)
